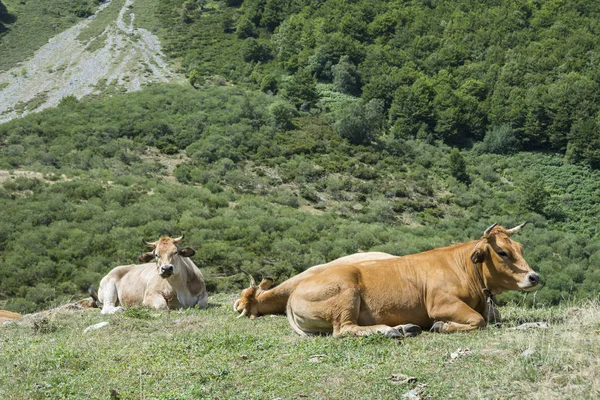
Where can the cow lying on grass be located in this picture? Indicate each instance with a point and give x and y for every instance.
(263, 299)
(260, 300)
(8, 316)
(445, 289)
(171, 281)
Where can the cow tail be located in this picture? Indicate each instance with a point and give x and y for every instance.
(292, 320)
(95, 300)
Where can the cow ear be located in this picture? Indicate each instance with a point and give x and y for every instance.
(146, 257)
(266, 283)
(478, 255)
(186, 252)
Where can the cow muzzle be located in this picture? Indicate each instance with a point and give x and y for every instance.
(532, 280)
(166, 271)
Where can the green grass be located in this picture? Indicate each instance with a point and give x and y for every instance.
(102, 20)
(194, 354)
(145, 16)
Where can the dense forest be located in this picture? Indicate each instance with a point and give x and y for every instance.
(523, 73)
(315, 129)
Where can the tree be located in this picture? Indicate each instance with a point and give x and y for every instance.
(301, 90)
(5, 17)
(458, 166)
(254, 50)
(269, 83)
(412, 110)
(584, 143)
(195, 78)
(361, 123)
(245, 28)
(282, 113)
(345, 77)
(534, 195)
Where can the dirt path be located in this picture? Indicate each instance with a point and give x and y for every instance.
(129, 58)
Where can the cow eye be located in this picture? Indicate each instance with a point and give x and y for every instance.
(502, 253)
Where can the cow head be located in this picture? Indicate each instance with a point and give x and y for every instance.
(505, 268)
(247, 305)
(165, 252)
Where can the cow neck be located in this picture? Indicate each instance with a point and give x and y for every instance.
(272, 300)
(183, 276)
(490, 299)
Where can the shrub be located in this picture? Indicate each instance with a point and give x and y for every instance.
(282, 113)
(20, 305)
(269, 83)
(361, 123)
(499, 140)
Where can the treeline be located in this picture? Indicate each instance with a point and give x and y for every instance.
(508, 75)
(253, 196)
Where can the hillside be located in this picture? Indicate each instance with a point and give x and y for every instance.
(101, 55)
(303, 134)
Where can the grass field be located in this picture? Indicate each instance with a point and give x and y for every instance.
(191, 354)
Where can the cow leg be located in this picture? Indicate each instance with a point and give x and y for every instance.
(109, 297)
(346, 321)
(357, 330)
(456, 316)
(202, 301)
(157, 301)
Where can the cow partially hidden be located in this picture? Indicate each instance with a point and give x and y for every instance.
(9, 316)
(445, 289)
(260, 300)
(171, 281)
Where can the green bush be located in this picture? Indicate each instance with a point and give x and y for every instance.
(499, 140)
(361, 123)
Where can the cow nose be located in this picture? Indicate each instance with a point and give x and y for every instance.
(533, 278)
(166, 268)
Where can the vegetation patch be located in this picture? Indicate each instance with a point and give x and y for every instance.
(250, 196)
(102, 20)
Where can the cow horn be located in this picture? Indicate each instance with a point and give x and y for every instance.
(243, 314)
(516, 229)
(235, 305)
(179, 239)
(149, 244)
(252, 281)
(488, 230)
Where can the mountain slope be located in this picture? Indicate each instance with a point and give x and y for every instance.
(122, 58)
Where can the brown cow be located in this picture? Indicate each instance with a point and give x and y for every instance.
(9, 316)
(444, 289)
(172, 281)
(259, 300)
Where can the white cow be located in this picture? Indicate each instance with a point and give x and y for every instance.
(172, 281)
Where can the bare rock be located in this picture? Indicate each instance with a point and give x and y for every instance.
(533, 325)
(96, 326)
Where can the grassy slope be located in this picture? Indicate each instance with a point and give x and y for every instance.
(210, 354)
